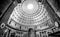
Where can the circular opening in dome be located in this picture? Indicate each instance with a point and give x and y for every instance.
(30, 6)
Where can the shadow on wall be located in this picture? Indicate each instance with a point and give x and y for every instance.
(3, 4)
(56, 3)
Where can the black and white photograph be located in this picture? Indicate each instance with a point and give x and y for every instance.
(29, 18)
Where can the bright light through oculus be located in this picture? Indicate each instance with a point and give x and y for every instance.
(30, 6)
